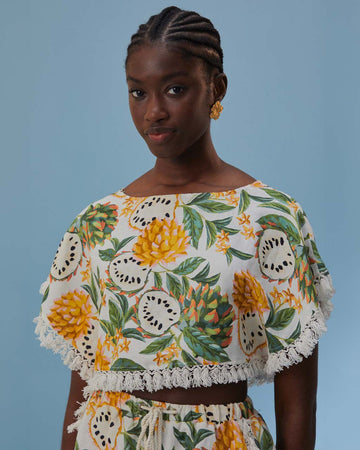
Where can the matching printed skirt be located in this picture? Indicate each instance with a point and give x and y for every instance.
(118, 420)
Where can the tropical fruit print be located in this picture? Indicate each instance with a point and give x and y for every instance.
(115, 421)
(183, 290)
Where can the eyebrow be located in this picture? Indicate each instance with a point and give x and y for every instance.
(165, 78)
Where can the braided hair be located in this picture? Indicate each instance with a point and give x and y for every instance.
(191, 33)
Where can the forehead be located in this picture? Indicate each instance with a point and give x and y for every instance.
(159, 61)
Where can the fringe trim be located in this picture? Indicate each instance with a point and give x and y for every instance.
(186, 377)
(304, 346)
(79, 413)
(70, 356)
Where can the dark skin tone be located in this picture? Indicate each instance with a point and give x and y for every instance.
(161, 96)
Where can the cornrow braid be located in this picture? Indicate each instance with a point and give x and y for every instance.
(192, 34)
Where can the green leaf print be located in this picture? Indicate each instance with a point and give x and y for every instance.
(132, 333)
(129, 442)
(281, 319)
(244, 202)
(260, 199)
(213, 206)
(124, 306)
(211, 281)
(266, 442)
(119, 245)
(239, 254)
(278, 206)
(126, 364)
(191, 415)
(188, 266)
(211, 232)
(185, 285)
(273, 342)
(173, 284)
(175, 363)
(278, 195)
(300, 217)
(188, 359)
(294, 335)
(203, 273)
(158, 345)
(108, 327)
(184, 439)
(193, 224)
(202, 345)
(321, 266)
(77, 446)
(115, 315)
(201, 435)
(157, 280)
(283, 224)
(107, 255)
(46, 294)
(136, 430)
(221, 223)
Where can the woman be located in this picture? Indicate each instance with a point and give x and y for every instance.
(169, 296)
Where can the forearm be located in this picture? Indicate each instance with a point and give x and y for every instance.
(295, 405)
(296, 428)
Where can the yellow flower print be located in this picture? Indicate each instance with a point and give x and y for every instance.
(248, 232)
(277, 296)
(166, 355)
(244, 219)
(87, 272)
(258, 184)
(229, 437)
(102, 362)
(161, 242)
(71, 315)
(292, 300)
(124, 345)
(222, 243)
(248, 294)
(293, 205)
(131, 203)
(288, 297)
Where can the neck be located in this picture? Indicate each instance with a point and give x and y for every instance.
(194, 166)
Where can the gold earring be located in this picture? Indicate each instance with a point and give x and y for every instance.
(216, 110)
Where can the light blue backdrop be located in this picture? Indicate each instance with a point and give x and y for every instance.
(291, 119)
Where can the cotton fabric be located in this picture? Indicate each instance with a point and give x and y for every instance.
(185, 290)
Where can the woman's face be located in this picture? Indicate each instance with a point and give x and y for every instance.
(169, 99)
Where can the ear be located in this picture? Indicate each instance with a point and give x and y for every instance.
(219, 86)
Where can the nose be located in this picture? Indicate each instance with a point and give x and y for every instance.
(155, 109)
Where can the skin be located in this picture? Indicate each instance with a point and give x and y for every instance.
(189, 163)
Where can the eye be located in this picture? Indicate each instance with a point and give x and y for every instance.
(176, 90)
(136, 93)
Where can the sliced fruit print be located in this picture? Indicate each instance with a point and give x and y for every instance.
(276, 258)
(127, 273)
(156, 207)
(87, 343)
(157, 311)
(252, 302)
(67, 258)
(105, 426)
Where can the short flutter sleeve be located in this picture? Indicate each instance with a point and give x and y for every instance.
(295, 287)
(68, 319)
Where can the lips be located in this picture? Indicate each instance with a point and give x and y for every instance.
(159, 134)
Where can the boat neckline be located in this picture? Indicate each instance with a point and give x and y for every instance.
(238, 189)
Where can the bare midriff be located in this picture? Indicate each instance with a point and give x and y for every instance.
(213, 395)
